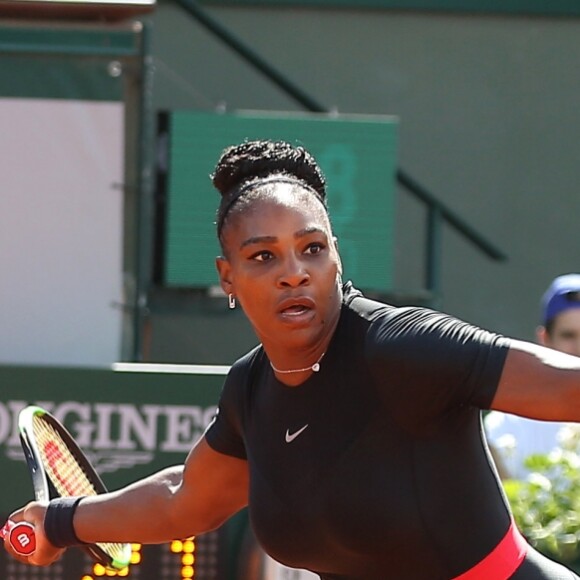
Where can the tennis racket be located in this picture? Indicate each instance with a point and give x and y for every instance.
(58, 468)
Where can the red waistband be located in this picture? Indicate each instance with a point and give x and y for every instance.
(502, 561)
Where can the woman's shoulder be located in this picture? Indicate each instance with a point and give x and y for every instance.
(417, 328)
(378, 311)
(246, 363)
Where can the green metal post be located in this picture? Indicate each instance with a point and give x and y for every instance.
(144, 202)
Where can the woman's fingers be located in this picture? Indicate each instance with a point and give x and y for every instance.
(24, 537)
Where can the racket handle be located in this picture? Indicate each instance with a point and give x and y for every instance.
(21, 537)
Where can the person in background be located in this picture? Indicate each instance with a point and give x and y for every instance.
(353, 430)
(511, 437)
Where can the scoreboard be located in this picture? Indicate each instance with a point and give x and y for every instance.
(357, 154)
(202, 558)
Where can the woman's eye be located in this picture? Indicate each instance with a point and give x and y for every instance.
(262, 256)
(315, 248)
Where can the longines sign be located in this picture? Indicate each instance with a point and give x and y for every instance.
(130, 422)
(115, 436)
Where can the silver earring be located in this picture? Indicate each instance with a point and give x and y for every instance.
(231, 301)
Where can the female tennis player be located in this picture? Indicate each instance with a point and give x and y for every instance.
(353, 432)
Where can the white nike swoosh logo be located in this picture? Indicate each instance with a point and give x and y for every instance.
(291, 437)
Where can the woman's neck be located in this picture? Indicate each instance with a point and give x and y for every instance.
(294, 365)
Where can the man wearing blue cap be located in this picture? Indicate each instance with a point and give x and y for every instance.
(561, 315)
(513, 437)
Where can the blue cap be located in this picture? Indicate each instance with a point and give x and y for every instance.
(563, 294)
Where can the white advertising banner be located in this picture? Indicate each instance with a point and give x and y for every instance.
(61, 231)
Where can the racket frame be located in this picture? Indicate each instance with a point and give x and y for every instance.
(44, 489)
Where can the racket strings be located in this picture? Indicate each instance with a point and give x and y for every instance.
(64, 472)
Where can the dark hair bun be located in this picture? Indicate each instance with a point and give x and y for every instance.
(258, 159)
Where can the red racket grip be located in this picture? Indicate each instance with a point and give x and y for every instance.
(21, 537)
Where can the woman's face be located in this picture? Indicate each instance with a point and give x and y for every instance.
(283, 267)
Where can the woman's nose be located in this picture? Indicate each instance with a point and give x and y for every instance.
(293, 273)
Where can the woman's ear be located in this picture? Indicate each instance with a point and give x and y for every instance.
(224, 272)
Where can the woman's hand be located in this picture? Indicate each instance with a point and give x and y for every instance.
(45, 553)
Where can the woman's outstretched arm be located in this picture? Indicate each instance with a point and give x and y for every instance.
(174, 503)
(540, 383)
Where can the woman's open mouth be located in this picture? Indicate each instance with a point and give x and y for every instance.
(297, 311)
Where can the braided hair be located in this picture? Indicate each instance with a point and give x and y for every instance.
(247, 171)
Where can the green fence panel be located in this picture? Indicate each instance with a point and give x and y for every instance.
(64, 63)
